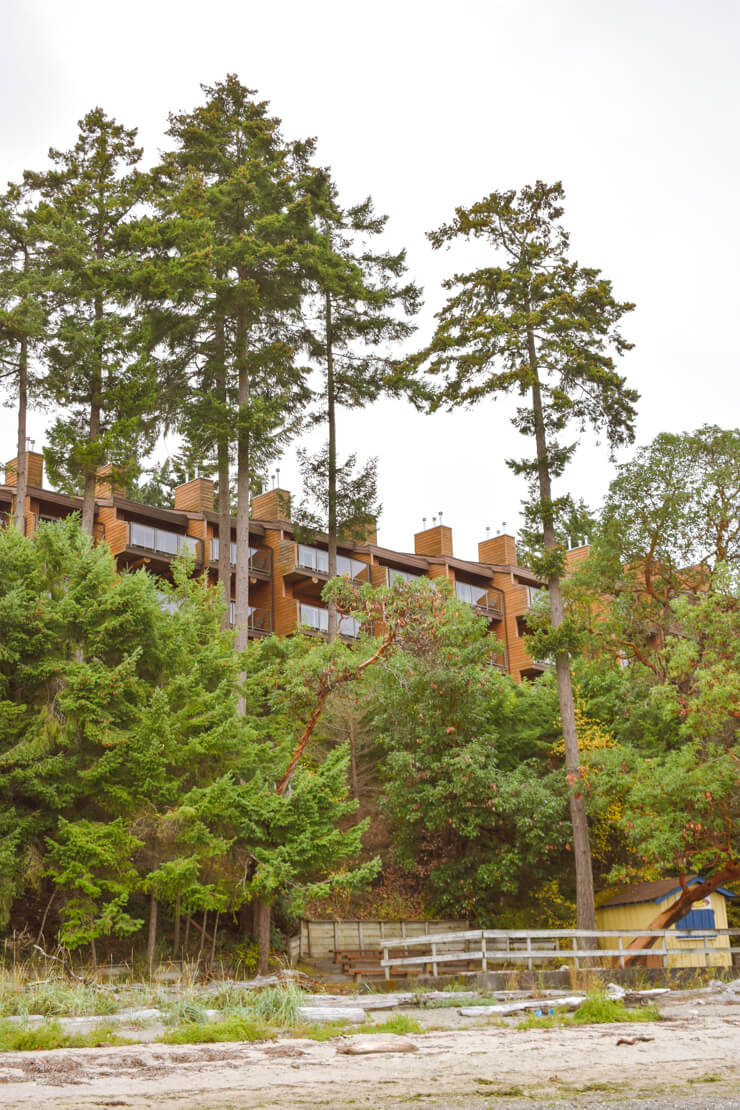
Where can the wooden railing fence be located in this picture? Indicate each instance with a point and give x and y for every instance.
(537, 947)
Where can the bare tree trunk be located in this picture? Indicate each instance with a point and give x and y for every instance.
(242, 522)
(333, 620)
(262, 911)
(93, 954)
(213, 945)
(187, 936)
(21, 478)
(202, 934)
(176, 937)
(42, 926)
(585, 912)
(152, 938)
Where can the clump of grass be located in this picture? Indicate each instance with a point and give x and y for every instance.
(233, 1028)
(279, 1005)
(50, 1035)
(53, 998)
(597, 1009)
(186, 1011)
(398, 1024)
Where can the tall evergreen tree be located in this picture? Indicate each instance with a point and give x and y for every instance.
(359, 305)
(233, 168)
(98, 369)
(545, 328)
(22, 317)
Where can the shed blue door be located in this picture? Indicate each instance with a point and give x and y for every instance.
(698, 919)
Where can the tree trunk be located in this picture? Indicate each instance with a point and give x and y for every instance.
(242, 524)
(262, 931)
(224, 479)
(186, 938)
(213, 945)
(20, 478)
(585, 912)
(93, 954)
(202, 934)
(333, 619)
(152, 938)
(88, 496)
(176, 937)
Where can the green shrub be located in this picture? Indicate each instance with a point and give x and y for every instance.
(50, 1035)
(233, 1028)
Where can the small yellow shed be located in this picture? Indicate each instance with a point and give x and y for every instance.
(636, 906)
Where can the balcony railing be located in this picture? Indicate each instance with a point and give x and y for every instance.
(489, 601)
(312, 616)
(259, 558)
(533, 594)
(405, 575)
(314, 559)
(163, 541)
(260, 620)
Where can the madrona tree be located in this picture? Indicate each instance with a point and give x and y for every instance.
(534, 323)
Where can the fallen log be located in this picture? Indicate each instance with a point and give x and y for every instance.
(373, 1045)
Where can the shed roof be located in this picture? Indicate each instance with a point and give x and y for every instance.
(655, 892)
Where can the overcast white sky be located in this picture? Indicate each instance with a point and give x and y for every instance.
(427, 105)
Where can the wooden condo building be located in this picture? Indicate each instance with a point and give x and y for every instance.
(287, 576)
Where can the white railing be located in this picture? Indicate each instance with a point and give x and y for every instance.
(313, 616)
(162, 540)
(313, 558)
(259, 557)
(538, 946)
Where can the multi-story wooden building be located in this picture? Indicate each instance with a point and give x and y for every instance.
(287, 576)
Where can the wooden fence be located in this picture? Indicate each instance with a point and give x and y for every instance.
(539, 947)
(319, 939)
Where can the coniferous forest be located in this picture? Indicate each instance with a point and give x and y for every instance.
(168, 787)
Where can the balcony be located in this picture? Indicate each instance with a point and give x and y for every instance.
(162, 542)
(391, 574)
(317, 619)
(309, 566)
(259, 622)
(489, 603)
(260, 559)
(498, 662)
